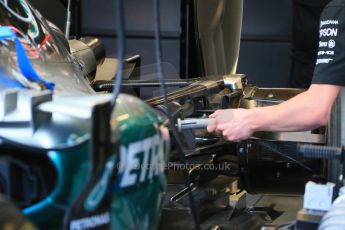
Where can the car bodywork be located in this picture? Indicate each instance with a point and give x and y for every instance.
(52, 163)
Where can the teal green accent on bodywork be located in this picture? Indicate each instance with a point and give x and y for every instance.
(72, 173)
(133, 207)
(138, 209)
(101, 187)
(139, 206)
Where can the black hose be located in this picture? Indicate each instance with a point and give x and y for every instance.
(121, 48)
(158, 53)
(320, 152)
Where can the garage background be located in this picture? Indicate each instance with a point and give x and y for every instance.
(265, 45)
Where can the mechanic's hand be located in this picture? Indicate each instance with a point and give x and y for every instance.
(233, 124)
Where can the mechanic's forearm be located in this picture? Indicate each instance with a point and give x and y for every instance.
(306, 111)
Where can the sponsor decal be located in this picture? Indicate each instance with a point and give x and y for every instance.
(331, 44)
(328, 22)
(323, 60)
(142, 160)
(91, 222)
(328, 52)
(328, 32)
(323, 44)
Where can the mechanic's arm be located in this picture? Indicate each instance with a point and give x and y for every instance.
(305, 111)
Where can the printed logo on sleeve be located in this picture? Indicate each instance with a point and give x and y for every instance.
(331, 29)
(328, 52)
(328, 32)
(323, 60)
(323, 44)
(328, 22)
(331, 44)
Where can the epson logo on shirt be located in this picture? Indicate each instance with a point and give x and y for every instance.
(328, 32)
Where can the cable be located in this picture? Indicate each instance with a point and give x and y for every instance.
(121, 47)
(158, 52)
(68, 20)
(33, 31)
(15, 14)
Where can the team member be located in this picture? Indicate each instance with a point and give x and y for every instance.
(307, 110)
(305, 39)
